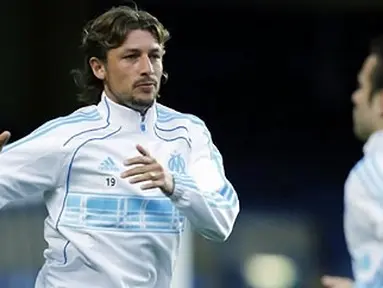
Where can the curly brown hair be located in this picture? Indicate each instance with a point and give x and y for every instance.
(109, 31)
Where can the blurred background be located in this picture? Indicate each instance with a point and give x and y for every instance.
(272, 81)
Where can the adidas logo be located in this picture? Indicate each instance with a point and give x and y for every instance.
(108, 165)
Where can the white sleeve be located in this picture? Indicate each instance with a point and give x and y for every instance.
(366, 190)
(29, 167)
(204, 195)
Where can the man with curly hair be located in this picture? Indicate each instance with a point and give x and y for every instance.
(122, 176)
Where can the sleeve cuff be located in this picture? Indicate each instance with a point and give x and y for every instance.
(182, 184)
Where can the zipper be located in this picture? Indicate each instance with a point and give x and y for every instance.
(142, 124)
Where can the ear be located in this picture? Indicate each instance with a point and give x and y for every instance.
(98, 68)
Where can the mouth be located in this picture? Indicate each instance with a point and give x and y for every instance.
(146, 84)
(146, 87)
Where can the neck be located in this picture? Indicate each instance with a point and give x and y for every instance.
(138, 106)
(126, 116)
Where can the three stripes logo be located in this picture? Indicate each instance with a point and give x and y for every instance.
(108, 165)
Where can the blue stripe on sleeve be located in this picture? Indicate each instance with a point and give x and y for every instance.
(76, 117)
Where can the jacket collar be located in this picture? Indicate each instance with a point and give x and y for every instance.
(127, 118)
(374, 142)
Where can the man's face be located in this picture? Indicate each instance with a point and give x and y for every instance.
(132, 72)
(367, 107)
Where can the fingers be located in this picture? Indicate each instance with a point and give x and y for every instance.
(148, 170)
(148, 176)
(142, 150)
(152, 185)
(326, 281)
(153, 179)
(4, 138)
(334, 281)
(140, 170)
(139, 160)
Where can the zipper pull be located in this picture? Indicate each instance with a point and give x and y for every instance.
(142, 125)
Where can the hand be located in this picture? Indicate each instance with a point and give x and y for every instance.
(148, 170)
(336, 282)
(4, 137)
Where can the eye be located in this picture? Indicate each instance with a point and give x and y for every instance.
(156, 56)
(130, 56)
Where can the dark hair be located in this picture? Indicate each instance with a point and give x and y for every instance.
(109, 31)
(377, 73)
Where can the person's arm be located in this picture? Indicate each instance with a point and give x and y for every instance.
(363, 202)
(204, 195)
(29, 167)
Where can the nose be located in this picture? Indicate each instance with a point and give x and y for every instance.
(354, 97)
(146, 66)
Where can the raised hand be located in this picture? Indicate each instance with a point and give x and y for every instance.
(148, 170)
(4, 138)
(336, 282)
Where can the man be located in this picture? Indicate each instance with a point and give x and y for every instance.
(120, 176)
(364, 186)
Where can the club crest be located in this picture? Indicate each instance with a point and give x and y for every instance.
(177, 163)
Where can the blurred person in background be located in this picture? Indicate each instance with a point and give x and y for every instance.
(363, 218)
(121, 175)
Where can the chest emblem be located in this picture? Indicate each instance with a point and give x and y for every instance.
(177, 163)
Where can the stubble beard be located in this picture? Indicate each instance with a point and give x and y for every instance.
(140, 105)
(136, 103)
